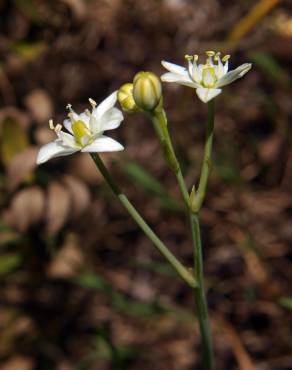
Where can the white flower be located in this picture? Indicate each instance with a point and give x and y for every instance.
(206, 78)
(85, 131)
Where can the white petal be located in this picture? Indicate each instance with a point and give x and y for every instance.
(68, 125)
(67, 139)
(233, 75)
(207, 94)
(182, 80)
(103, 144)
(197, 72)
(110, 120)
(175, 68)
(105, 105)
(53, 150)
(219, 69)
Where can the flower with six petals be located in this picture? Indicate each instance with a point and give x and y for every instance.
(85, 131)
(206, 78)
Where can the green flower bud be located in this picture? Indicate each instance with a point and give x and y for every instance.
(147, 90)
(125, 98)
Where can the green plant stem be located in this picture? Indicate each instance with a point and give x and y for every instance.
(201, 301)
(200, 296)
(161, 247)
(160, 124)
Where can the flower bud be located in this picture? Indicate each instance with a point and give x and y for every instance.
(147, 90)
(125, 98)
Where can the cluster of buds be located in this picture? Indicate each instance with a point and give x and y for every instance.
(144, 94)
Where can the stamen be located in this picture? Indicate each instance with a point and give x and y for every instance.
(225, 58)
(58, 128)
(92, 102)
(196, 57)
(217, 56)
(189, 57)
(210, 53)
(69, 106)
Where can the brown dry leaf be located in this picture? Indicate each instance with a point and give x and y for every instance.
(17, 115)
(242, 357)
(13, 139)
(78, 8)
(80, 196)
(58, 207)
(26, 209)
(68, 261)
(255, 265)
(40, 105)
(269, 149)
(266, 205)
(64, 365)
(21, 167)
(18, 363)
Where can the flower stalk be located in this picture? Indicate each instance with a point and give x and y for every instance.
(160, 246)
(159, 120)
(193, 205)
(200, 296)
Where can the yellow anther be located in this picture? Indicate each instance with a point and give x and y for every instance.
(189, 57)
(210, 53)
(217, 55)
(92, 102)
(58, 128)
(225, 58)
(196, 57)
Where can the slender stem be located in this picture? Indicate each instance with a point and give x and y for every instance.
(160, 125)
(207, 164)
(161, 247)
(201, 301)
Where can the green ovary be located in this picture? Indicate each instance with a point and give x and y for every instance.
(81, 133)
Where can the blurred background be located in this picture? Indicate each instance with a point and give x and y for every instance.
(81, 287)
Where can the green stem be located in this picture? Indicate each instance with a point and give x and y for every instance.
(207, 164)
(160, 124)
(201, 301)
(200, 296)
(161, 247)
